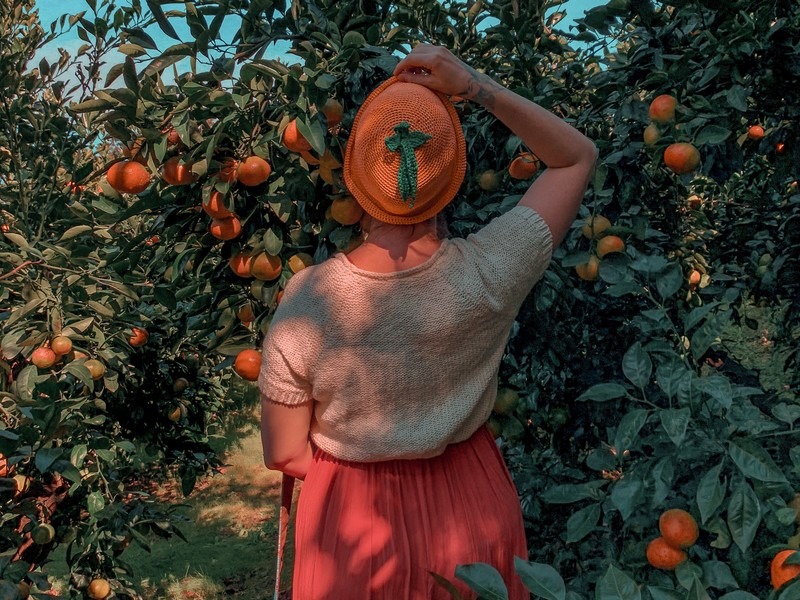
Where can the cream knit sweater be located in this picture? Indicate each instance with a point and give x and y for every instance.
(402, 364)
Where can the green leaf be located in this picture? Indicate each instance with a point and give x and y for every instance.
(74, 232)
(740, 595)
(313, 133)
(712, 134)
(669, 281)
(95, 503)
(572, 492)
(165, 296)
(617, 585)
(737, 97)
(273, 243)
(626, 495)
(17, 239)
(90, 106)
(161, 19)
(602, 392)
(710, 493)
(77, 455)
(541, 579)
(697, 591)
(744, 516)
(790, 591)
(753, 461)
(79, 370)
(484, 579)
(718, 575)
(658, 593)
(675, 421)
(669, 375)
(628, 430)
(45, 457)
(581, 523)
(637, 366)
(447, 585)
(708, 333)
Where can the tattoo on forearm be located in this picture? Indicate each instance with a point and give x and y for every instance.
(481, 89)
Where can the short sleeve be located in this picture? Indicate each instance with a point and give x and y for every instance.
(284, 374)
(511, 253)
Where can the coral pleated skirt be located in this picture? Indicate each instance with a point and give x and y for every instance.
(374, 531)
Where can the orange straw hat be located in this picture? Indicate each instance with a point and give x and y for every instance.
(406, 156)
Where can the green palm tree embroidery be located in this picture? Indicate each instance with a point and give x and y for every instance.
(406, 141)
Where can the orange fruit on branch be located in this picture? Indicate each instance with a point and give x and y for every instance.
(98, 589)
(662, 108)
(173, 137)
(138, 337)
(240, 264)
(248, 364)
(228, 171)
(681, 157)
(488, 180)
(225, 229)
(61, 345)
(175, 172)
(215, 207)
(293, 139)
(779, 572)
(128, 177)
(253, 170)
(661, 555)
(590, 270)
(245, 313)
(755, 132)
(678, 528)
(299, 261)
(524, 166)
(266, 267)
(44, 533)
(96, 368)
(333, 111)
(43, 357)
(694, 278)
(346, 210)
(609, 244)
(651, 134)
(594, 225)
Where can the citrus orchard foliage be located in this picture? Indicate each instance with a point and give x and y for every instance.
(614, 408)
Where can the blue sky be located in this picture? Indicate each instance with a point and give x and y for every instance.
(50, 10)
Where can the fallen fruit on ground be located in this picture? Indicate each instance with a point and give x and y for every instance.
(128, 177)
(138, 337)
(299, 261)
(266, 267)
(225, 229)
(662, 108)
(44, 358)
(681, 157)
(779, 572)
(594, 225)
(96, 368)
(248, 364)
(98, 589)
(293, 140)
(589, 270)
(240, 264)
(661, 555)
(524, 166)
(215, 206)
(609, 244)
(346, 210)
(253, 171)
(678, 528)
(175, 172)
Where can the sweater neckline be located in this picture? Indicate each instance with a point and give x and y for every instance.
(423, 266)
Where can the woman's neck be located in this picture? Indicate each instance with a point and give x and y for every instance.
(389, 248)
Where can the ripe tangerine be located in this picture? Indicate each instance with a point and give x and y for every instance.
(266, 267)
(240, 264)
(252, 171)
(678, 528)
(215, 207)
(333, 111)
(176, 172)
(138, 337)
(346, 210)
(61, 345)
(299, 261)
(755, 132)
(681, 157)
(594, 225)
(98, 589)
(43, 357)
(662, 108)
(524, 166)
(248, 364)
(128, 177)
(663, 556)
(609, 244)
(225, 229)
(96, 368)
(293, 139)
(228, 171)
(779, 572)
(488, 180)
(589, 270)
(651, 134)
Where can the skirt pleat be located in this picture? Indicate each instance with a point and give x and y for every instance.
(374, 531)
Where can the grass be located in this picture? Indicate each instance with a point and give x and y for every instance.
(231, 526)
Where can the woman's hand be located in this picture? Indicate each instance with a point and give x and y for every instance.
(437, 68)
